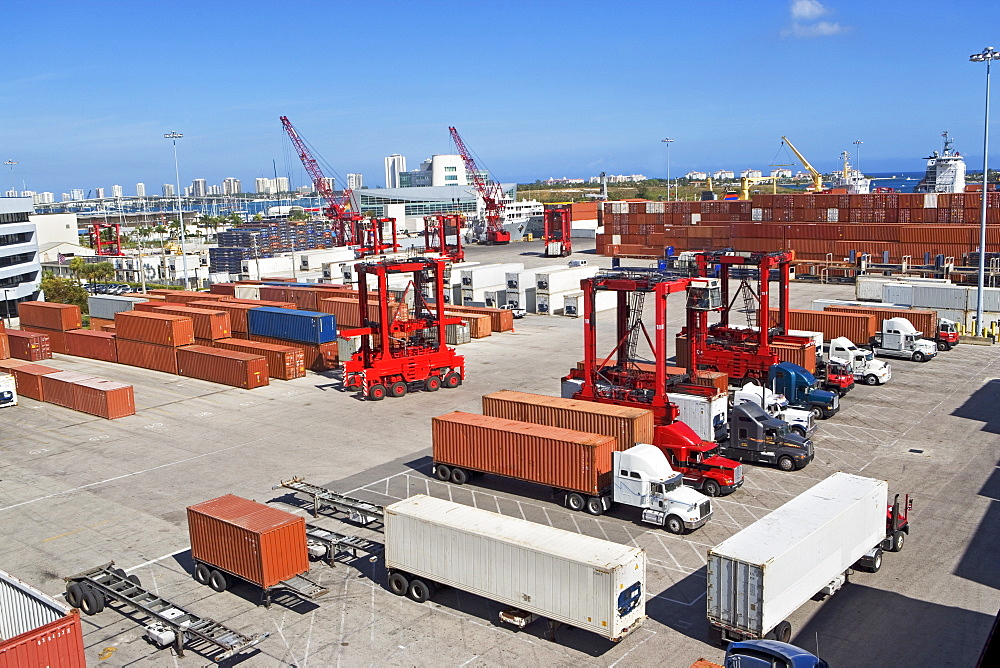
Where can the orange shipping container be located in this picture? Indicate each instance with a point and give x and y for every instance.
(108, 399)
(4, 347)
(258, 543)
(856, 327)
(322, 357)
(28, 345)
(37, 631)
(226, 367)
(283, 362)
(60, 388)
(628, 425)
(159, 328)
(98, 324)
(50, 315)
(147, 355)
(184, 296)
(92, 345)
(237, 312)
(207, 324)
(551, 456)
(27, 377)
(925, 321)
(57, 338)
(501, 320)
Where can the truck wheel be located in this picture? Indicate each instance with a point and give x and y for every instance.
(871, 379)
(134, 579)
(943, 346)
(876, 561)
(432, 384)
(92, 602)
(376, 392)
(595, 506)
(674, 524)
(575, 502)
(202, 574)
(919, 356)
(74, 594)
(217, 581)
(817, 412)
(419, 591)
(442, 472)
(397, 389)
(398, 584)
(800, 431)
(711, 488)
(786, 463)
(452, 380)
(783, 632)
(898, 539)
(459, 476)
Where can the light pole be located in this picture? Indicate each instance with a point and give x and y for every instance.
(11, 163)
(857, 156)
(988, 55)
(668, 141)
(174, 136)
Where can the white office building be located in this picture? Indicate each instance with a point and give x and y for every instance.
(395, 165)
(723, 174)
(168, 189)
(76, 194)
(214, 190)
(354, 181)
(436, 171)
(116, 191)
(782, 173)
(263, 186)
(199, 188)
(696, 176)
(20, 271)
(751, 174)
(231, 186)
(140, 190)
(99, 193)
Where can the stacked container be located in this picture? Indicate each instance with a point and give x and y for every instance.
(520, 287)
(4, 345)
(105, 307)
(293, 325)
(283, 362)
(92, 345)
(28, 345)
(208, 325)
(551, 287)
(150, 340)
(226, 367)
(28, 377)
(51, 319)
(477, 280)
(317, 357)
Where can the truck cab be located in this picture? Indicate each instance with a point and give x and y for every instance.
(756, 436)
(947, 334)
(799, 421)
(768, 654)
(899, 338)
(802, 390)
(862, 363)
(698, 460)
(644, 479)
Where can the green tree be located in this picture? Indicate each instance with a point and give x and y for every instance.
(77, 266)
(64, 291)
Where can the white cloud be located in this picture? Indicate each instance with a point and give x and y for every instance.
(807, 10)
(804, 24)
(821, 29)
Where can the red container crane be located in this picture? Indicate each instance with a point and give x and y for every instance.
(398, 355)
(436, 230)
(102, 246)
(557, 236)
(489, 190)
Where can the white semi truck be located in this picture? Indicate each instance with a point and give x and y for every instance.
(899, 338)
(776, 405)
(537, 571)
(863, 364)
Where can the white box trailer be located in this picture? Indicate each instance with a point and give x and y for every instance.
(521, 280)
(707, 416)
(547, 303)
(566, 279)
(760, 576)
(488, 275)
(535, 569)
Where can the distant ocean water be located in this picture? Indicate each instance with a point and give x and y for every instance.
(901, 182)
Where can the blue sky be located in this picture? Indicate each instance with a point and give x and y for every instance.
(537, 89)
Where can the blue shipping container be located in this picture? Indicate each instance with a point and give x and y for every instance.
(292, 325)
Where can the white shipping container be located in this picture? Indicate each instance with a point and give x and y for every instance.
(573, 304)
(586, 582)
(247, 291)
(832, 215)
(347, 346)
(24, 608)
(488, 275)
(707, 416)
(105, 306)
(563, 280)
(940, 296)
(520, 280)
(454, 335)
(869, 288)
(522, 299)
(760, 576)
(757, 215)
(315, 259)
(897, 293)
(550, 303)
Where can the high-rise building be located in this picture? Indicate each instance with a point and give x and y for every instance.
(43, 198)
(354, 181)
(187, 191)
(395, 164)
(168, 190)
(263, 186)
(214, 190)
(21, 275)
(99, 193)
(199, 188)
(67, 197)
(140, 190)
(231, 186)
(10, 193)
(438, 170)
(76, 194)
(116, 191)
(28, 193)
(331, 182)
(281, 185)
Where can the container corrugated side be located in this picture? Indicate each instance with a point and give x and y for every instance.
(283, 361)
(225, 289)
(153, 327)
(28, 346)
(226, 367)
(237, 312)
(207, 324)
(925, 321)
(856, 327)
(28, 377)
(259, 543)
(292, 324)
(322, 357)
(60, 388)
(589, 583)
(106, 306)
(108, 399)
(501, 320)
(50, 315)
(628, 425)
(92, 345)
(185, 296)
(147, 355)
(4, 347)
(37, 630)
(561, 458)
(57, 338)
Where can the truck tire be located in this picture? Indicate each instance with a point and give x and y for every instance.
(74, 594)
(217, 581)
(786, 463)
(432, 384)
(442, 472)
(817, 412)
(943, 346)
(595, 506)
(871, 379)
(783, 632)
(800, 431)
(398, 584)
(898, 539)
(419, 591)
(376, 392)
(134, 579)
(918, 356)
(674, 524)
(92, 602)
(711, 488)
(575, 502)
(202, 574)
(459, 476)
(452, 380)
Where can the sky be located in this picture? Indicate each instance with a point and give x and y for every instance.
(537, 89)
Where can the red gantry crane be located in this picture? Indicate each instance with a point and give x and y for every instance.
(489, 190)
(342, 210)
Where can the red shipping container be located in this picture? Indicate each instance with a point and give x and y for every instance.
(225, 289)
(4, 347)
(184, 296)
(57, 338)
(317, 358)
(258, 543)
(27, 377)
(226, 367)
(108, 399)
(60, 388)
(283, 362)
(28, 345)
(263, 302)
(237, 312)
(37, 630)
(98, 324)
(207, 324)
(154, 327)
(50, 315)
(147, 355)
(92, 345)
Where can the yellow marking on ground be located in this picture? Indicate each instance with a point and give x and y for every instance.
(70, 533)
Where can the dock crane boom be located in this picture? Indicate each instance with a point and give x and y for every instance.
(817, 178)
(490, 191)
(342, 210)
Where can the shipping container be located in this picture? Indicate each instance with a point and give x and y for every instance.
(501, 320)
(552, 456)
(185, 296)
(562, 280)
(925, 321)
(488, 275)
(60, 388)
(28, 377)
(108, 399)
(28, 346)
(50, 315)
(92, 345)
(525, 278)
(247, 292)
(36, 630)
(322, 357)
(224, 289)
(258, 543)
(584, 582)
(859, 328)
(147, 355)
(237, 312)
(226, 367)
(159, 328)
(628, 425)
(455, 335)
(98, 324)
(294, 325)
(760, 576)
(57, 337)
(4, 347)
(283, 361)
(207, 324)
(106, 306)
(8, 390)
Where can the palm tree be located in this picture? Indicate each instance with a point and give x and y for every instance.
(77, 265)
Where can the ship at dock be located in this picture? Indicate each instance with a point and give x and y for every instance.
(850, 179)
(945, 171)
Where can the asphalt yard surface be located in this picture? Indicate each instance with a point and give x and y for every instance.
(78, 491)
